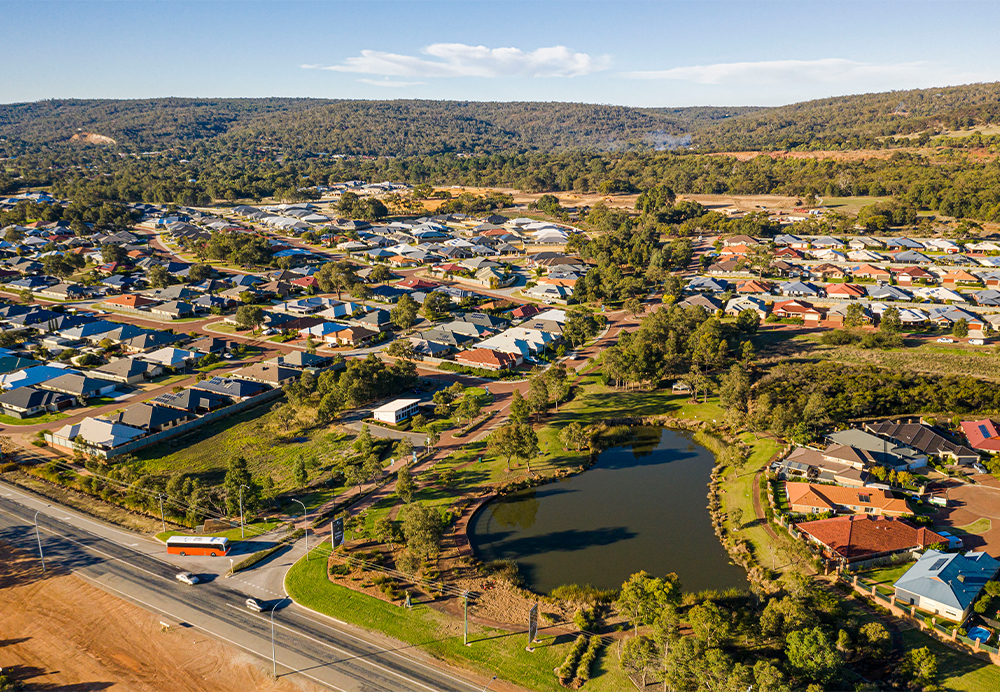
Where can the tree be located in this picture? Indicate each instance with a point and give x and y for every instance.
(960, 329)
(405, 487)
(238, 474)
(249, 316)
(538, 393)
(736, 514)
(634, 306)
(387, 531)
(113, 253)
(158, 277)
(380, 274)
(890, 322)
(920, 666)
(422, 529)
(336, 277)
(813, 653)
(513, 440)
(710, 624)
(437, 305)
(639, 657)
(403, 349)
(876, 642)
(519, 408)
(734, 389)
(855, 316)
(404, 313)
(299, 473)
(580, 326)
(748, 321)
(199, 272)
(759, 258)
(574, 436)
(642, 597)
(469, 407)
(403, 449)
(355, 474)
(557, 383)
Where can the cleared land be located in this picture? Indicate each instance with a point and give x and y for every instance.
(59, 632)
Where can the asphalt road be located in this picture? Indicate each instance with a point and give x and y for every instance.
(318, 648)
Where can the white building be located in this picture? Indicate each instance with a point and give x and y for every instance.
(396, 411)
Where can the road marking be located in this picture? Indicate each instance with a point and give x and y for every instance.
(361, 658)
(203, 629)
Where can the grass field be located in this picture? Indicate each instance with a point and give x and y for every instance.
(981, 525)
(737, 493)
(34, 420)
(492, 652)
(885, 576)
(851, 205)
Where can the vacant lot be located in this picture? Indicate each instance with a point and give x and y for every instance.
(59, 632)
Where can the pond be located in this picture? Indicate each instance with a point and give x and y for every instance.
(641, 507)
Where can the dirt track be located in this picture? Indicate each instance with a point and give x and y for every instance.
(62, 633)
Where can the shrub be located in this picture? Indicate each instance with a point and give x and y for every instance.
(568, 668)
(587, 660)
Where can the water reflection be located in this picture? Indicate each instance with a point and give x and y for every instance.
(642, 506)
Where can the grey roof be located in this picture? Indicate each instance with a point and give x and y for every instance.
(705, 283)
(152, 340)
(74, 383)
(148, 417)
(240, 389)
(127, 367)
(873, 443)
(192, 400)
(921, 437)
(887, 293)
(29, 398)
(949, 578)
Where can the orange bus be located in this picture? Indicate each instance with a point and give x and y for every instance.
(198, 545)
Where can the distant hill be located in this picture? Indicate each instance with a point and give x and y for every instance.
(407, 128)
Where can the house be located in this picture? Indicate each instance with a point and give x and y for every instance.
(837, 314)
(193, 400)
(886, 292)
(698, 300)
(827, 271)
(870, 271)
(98, 435)
(28, 401)
(707, 285)
(267, 373)
(127, 371)
(377, 320)
(744, 240)
(352, 336)
(128, 301)
(235, 389)
(547, 293)
(65, 292)
(911, 257)
(173, 310)
(809, 498)
(737, 305)
(815, 465)
(170, 357)
(80, 386)
(396, 411)
(988, 298)
(32, 376)
(946, 584)
(212, 344)
(301, 360)
(849, 291)
(150, 417)
(730, 266)
(798, 289)
(874, 449)
(149, 341)
(798, 308)
(488, 359)
(960, 277)
(982, 434)
(910, 275)
(754, 286)
(858, 541)
(924, 439)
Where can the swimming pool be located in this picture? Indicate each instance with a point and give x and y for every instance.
(980, 633)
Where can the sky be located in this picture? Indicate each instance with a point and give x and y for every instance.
(652, 53)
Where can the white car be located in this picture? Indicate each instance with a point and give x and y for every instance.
(945, 340)
(187, 578)
(256, 606)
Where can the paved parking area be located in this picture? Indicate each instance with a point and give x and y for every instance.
(968, 504)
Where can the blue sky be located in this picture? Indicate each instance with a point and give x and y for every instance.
(631, 53)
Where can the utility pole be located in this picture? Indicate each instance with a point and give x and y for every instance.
(305, 514)
(274, 660)
(465, 595)
(39, 539)
(242, 529)
(162, 519)
(494, 678)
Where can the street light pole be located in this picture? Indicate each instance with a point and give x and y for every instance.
(274, 660)
(489, 683)
(305, 515)
(465, 595)
(39, 539)
(242, 529)
(162, 519)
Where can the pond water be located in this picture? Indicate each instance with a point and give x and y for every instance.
(641, 507)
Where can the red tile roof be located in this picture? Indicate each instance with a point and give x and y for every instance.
(805, 497)
(862, 536)
(487, 358)
(982, 434)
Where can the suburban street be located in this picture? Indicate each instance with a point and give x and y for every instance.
(138, 569)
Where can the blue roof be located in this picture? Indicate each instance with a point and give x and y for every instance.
(949, 578)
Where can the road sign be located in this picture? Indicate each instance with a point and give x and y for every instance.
(338, 532)
(532, 625)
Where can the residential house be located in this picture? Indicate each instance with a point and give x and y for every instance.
(212, 344)
(78, 385)
(235, 389)
(149, 341)
(809, 498)
(848, 291)
(98, 435)
(911, 275)
(707, 285)
(946, 584)
(32, 376)
(173, 310)
(799, 289)
(193, 400)
(267, 373)
(129, 302)
(737, 305)
(754, 286)
(798, 308)
(960, 277)
(488, 359)
(150, 417)
(815, 465)
(351, 336)
(887, 292)
(869, 271)
(876, 449)
(170, 357)
(924, 439)
(24, 402)
(861, 541)
(699, 300)
(301, 360)
(982, 435)
(127, 371)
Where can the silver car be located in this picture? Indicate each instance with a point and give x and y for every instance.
(187, 578)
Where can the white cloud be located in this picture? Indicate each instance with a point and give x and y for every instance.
(828, 70)
(460, 60)
(390, 83)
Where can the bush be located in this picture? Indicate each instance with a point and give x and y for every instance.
(587, 660)
(840, 337)
(568, 668)
(583, 594)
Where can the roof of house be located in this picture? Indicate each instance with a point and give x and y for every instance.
(192, 400)
(921, 437)
(267, 372)
(130, 300)
(487, 356)
(239, 389)
(75, 383)
(861, 536)
(126, 367)
(100, 432)
(952, 579)
(147, 416)
(982, 434)
(29, 398)
(833, 497)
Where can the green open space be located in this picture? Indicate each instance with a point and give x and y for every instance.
(885, 576)
(493, 652)
(957, 671)
(979, 526)
(34, 420)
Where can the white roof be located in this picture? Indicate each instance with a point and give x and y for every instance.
(552, 316)
(397, 405)
(100, 432)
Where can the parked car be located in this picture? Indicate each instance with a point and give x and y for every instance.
(256, 606)
(187, 578)
(945, 340)
(980, 468)
(977, 342)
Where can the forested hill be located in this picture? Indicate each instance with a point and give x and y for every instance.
(406, 128)
(372, 128)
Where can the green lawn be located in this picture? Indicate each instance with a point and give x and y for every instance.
(737, 493)
(252, 529)
(981, 525)
(957, 672)
(34, 420)
(493, 652)
(885, 576)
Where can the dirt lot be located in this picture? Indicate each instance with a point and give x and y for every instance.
(61, 633)
(969, 504)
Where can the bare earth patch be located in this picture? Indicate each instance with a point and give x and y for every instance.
(59, 632)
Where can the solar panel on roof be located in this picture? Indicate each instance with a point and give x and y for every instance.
(938, 564)
(984, 431)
